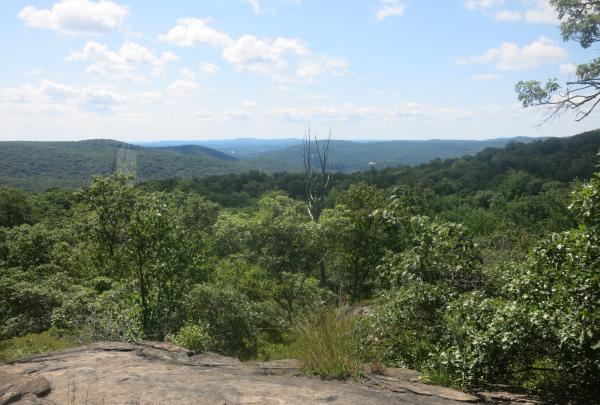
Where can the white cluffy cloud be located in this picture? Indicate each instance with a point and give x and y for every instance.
(350, 112)
(208, 69)
(389, 8)
(275, 58)
(222, 116)
(77, 16)
(508, 16)
(482, 4)
(485, 77)
(124, 63)
(255, 6)
(529, 11)
(568, 69)
(196, 31)
(182, 87)
(50, 96)
(509, 56)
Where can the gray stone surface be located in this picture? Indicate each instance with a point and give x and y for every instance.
(156, 373)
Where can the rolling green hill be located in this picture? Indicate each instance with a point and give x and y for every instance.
(197, 150)
(37, 166)
(348, 156)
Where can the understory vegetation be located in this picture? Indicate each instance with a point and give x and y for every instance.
(476, 270)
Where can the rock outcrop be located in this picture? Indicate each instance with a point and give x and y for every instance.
(160, 373)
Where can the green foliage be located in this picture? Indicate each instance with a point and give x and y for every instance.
(193, 337)
(233, 321)
(533, 323)
(578, 22)
(406, 328)
(476, 270)
(32, 344)
(357, 239)
(15, 208)
(532, 92)
(437, 253)
(282, 239)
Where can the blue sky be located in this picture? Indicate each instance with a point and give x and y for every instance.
(366, 69)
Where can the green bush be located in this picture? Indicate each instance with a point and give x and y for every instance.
(407, 326)
(193, 337)
(231, 316)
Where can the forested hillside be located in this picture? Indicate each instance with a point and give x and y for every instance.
(348, 156)
(521, 166)
(37, 166)
(477, 270)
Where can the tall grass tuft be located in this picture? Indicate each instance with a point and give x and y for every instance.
(326, 345)
(33, 343)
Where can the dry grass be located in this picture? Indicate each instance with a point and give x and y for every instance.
(327, 346)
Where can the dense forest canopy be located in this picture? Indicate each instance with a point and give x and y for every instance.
(37, 166)
(482, 269)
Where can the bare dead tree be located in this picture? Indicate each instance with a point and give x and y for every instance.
(316, 155)
(318, 183)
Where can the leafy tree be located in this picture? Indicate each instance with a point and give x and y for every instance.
(108, 207)
(15, 207)
(580, 22)
(161, 257)
(438, 253)
(358, 237)
(232, 320)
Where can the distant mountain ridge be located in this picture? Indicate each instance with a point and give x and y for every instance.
(38, 166)
(196, 150)
(348, 156)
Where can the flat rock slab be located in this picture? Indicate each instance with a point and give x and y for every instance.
(154, 373)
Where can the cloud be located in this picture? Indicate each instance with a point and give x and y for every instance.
(77, 16)
(208, 69)
(529, 11)
(485, 77)
(508, 16)
(124, 63)
(223, 116)
(389, 8)
(264, 56)
(255, 6)
(282, 59)
(51, 96)
(151, 97)
(568, 69)
(316, 67)
(482, 4)
(35, 72)
(194, 32)
(541, 13)
(509, 56)
(188, 74)
(182, 87)
(350, 112)
(249, 104)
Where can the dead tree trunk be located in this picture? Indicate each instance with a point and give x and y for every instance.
(316, 155)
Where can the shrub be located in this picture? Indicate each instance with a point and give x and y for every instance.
(193, 337)
(231, 316)
(405, 329)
